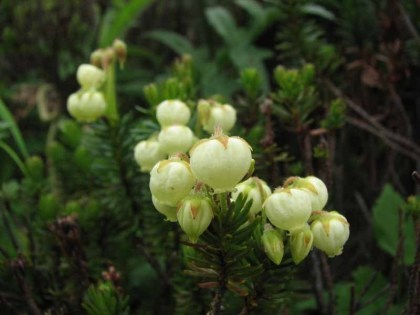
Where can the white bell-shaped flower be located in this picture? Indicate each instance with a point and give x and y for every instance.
(168, 211)
(172, 112)
(254, 189)
(171, 181)
(331, 231)
(221, 161)
(175, 138)
(147, 153)
(86, 106)
(90, 77)
(287, 208)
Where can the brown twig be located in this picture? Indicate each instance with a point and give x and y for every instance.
(18, 267)
(329, 283)
(153, 262)
(318, 285)
(375, 297)
(416, 177)
(362, 125)
(396, 141)
(412, 30)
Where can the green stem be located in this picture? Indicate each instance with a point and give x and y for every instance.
(111, 94)
(53, 175)
(223, 203)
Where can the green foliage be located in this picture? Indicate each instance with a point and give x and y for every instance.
(368, 284)
(7, 118)
(252, 82)
(336, 115)
(81, 205)
(118, 19)
(297, 97)
(387, 226)
(239, 41)
(104, 300)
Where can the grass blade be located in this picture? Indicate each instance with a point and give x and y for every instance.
(6, 116)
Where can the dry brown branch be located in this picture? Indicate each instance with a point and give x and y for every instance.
(393, 145)
(396, 141)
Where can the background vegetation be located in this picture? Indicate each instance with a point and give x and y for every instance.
(78, 232)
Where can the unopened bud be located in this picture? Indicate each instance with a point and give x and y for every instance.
(35, 167)
(83, 158)
(194, 216)
(96, 58)
(108, 58)
(48, 206)
(273, 244)
(301, 240)
(151, 93)
(120, 49)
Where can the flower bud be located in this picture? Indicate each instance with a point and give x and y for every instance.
(194, 216)
(56, 152)
(221, 161)
(172, 112)
(86, 106)
(96, 58)
(108, 57)
(168, 211)
(83, 158)
(72, 207)
(301, 240)
(273, 244)
(120, 49)
(48, 206)
(35, 167)
(255, 189)
(151, 93)
(175, 138)
(90, 76)
(171, 181)
(331, 231)
(71, 133)
(147, 153)
(213, 114)
(288, 208)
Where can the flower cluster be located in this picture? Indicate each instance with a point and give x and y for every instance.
(183, 186)
(296, 211)
(88, 104)
(175, 136)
